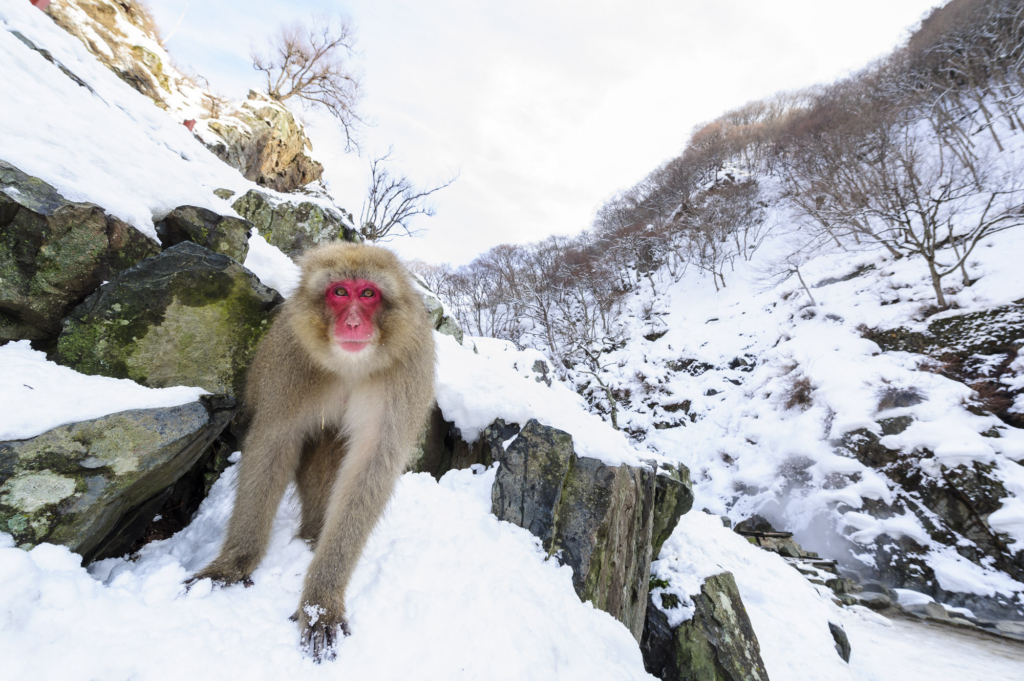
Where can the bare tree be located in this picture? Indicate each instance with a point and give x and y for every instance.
(312, 63)
(392, 200)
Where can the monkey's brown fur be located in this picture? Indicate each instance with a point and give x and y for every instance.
(340, 424)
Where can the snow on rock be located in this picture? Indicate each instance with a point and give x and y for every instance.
(474, 389)
(274, 268)
(37, 395)
(110, 146)
(443, 590)
(789, 616)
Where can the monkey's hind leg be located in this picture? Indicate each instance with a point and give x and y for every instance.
(315, 478)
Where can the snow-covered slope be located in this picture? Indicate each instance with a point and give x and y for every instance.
(754, 387)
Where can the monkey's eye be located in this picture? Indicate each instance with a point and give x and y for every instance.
(367, 293)
(340, 291)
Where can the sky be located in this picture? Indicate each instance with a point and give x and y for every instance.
(544, 109)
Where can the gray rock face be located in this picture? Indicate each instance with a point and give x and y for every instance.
(293, 227)
(93, 486)
(842, 641)
(220, 234)
(598, 519)
(673, 498)
(716, 644)
(441, 447)
(442, 323)
(266, 144)
(53, 253)
(186, 317)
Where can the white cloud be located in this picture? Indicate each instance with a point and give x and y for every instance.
(546, 108)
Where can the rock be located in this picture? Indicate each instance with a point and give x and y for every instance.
(223, 193)
(294, 227)
(1011, 627)
(93, 486)
(441, 447)
(673, 497)
(528, 485)
(754, 523)
(716, 644)
(597, 519)
(186, 317)
(53, 253)
(442, 323)
(875, 601)
(842, 641)
(935, 610)
(99, 25)
(219, 233)
(262, 139)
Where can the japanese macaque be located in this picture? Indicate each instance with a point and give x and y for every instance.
(338, 391)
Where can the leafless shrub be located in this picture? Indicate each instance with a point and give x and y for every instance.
(392, 201)
(312, 63)
(798, 393)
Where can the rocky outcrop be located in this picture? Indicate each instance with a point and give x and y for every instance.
(716, 644)
(294, 227)
(262, 139)
(53, 253)
(185, 317)
(123, 37)
(218, 233)
(442, 323)
(596, 518)
(441, 448)
(94, 486)
(673, 498)
(952, 504)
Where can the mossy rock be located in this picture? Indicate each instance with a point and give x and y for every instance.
(717, 644)
(53, 253)
(186, 317)
(673, 497)
(293, 227)
(89, 485)
(597, 519)
(219, 233)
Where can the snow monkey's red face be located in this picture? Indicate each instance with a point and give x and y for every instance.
(353, 302)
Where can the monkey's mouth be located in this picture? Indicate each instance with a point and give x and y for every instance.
(353, 345)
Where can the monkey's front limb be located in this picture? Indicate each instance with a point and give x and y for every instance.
(365, 482)
(268, 465)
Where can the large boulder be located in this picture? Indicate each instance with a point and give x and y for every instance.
(185, 317)
(93, 486)
(219, 233)
(53, 253)
(596, 518)
(294, 227)
(262, 139)
(716, 644)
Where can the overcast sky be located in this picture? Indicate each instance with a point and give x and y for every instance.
(545, 108)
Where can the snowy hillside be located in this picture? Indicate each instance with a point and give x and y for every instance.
(754, 387)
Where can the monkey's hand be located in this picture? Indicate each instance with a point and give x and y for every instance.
(319, 628)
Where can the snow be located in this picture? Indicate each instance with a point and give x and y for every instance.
(271, 266)
(750, 451)
(789, 616)
(475, 389)
(37, 395)
(443, 590)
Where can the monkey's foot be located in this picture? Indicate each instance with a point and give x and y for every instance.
(319, 637)
(221, 575)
